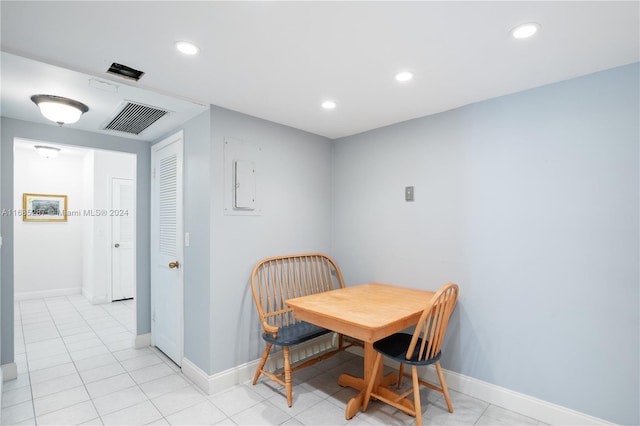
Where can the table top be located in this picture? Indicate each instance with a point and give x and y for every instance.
(367, 312)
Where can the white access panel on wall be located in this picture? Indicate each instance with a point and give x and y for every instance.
(241, 178)
(245, 185)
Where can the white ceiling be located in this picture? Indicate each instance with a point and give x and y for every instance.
(280, 60)
(22, 77)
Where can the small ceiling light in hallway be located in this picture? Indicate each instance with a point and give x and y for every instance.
(47, 151)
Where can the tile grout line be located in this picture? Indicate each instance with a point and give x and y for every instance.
(110, 353)
(136, 384)
(52, 318)
(482, 414)
(84, 384)
(70, 357)
(165, 362)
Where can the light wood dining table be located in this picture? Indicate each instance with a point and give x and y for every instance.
(368, 312)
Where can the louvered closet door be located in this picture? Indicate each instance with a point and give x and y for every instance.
(166, 242)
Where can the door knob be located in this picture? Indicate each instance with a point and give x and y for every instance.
(175, 264)
(116, 245)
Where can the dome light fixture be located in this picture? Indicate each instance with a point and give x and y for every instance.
(187, 48)
(47, 151)
(59, 109)
(525, 30)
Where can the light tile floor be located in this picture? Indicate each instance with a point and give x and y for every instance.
(76, 366)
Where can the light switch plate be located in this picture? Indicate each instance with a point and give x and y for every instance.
(408, 193)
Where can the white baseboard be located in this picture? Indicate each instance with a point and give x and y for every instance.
(26, 295)
(142, 341)
(211, 384)
(214, 383)
(524, 404)
(196, 375)
(87, 294)
(539, 409)
(544, 411)
(9, 371)
(91, 298)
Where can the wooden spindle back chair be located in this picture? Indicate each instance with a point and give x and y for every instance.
(423, 347)
(277, 279)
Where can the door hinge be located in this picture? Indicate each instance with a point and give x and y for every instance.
(153, 316)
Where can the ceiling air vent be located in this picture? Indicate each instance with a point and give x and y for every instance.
(125, 71)
(134, 118)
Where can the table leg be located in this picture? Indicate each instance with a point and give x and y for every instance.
(360, 384)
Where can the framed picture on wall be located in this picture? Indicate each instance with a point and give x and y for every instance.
(44, 208)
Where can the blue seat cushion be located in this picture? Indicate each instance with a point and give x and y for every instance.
(295, 333)
(396, 346)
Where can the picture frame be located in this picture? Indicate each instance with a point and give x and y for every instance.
(44, 208)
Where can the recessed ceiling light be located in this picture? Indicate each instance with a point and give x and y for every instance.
(525, 30)
(404, 76)
(187, 48)
(328, 105)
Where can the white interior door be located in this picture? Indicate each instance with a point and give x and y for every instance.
(123, 274)
(167, 247)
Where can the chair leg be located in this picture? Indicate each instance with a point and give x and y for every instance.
(367, 395)
(400, 374)
(443, 385)
(416, 395)
(265, 355)
(287, 376)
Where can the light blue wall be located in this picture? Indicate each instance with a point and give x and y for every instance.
(294, 174)
(531, 203)
(3, 326)
(16, 128)
(221, 327)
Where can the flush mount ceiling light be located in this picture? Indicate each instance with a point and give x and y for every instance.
(525, 30)
(187, 48)
(59, 109)
(404, 76)
(47, 151)
(329, 105)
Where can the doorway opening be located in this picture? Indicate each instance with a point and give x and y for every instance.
(90, 250)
